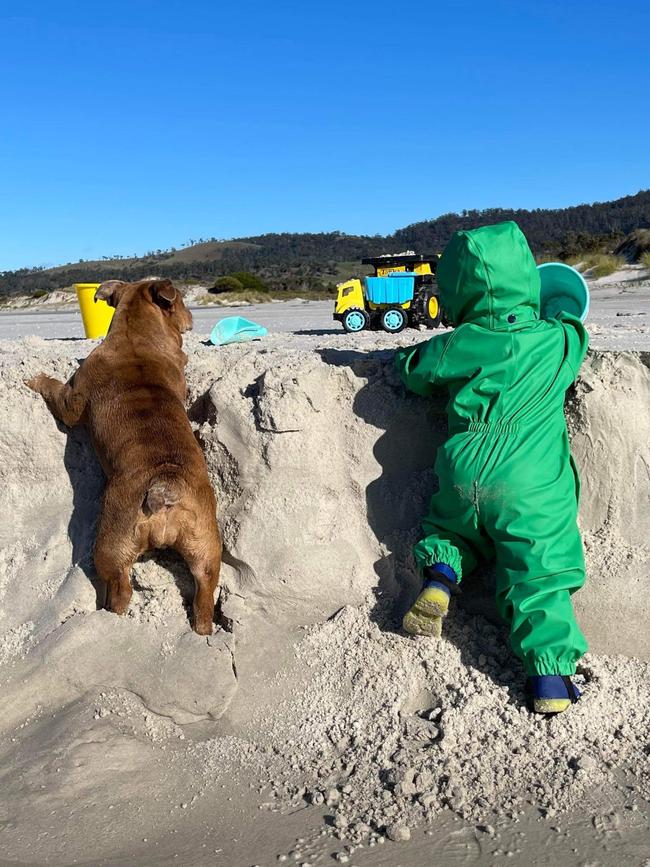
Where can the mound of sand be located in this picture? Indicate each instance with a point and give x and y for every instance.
(322, 465)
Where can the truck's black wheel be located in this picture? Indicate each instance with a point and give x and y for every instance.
(425, 309)
(432, 312)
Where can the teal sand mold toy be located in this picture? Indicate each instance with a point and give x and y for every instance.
(563, 290)
(236, 329)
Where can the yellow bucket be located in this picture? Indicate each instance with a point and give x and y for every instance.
(96, 315)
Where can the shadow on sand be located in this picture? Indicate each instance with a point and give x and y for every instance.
(413, 428)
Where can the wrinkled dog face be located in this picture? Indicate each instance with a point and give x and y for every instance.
(159, 293)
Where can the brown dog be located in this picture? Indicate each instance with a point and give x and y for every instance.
(130, 394)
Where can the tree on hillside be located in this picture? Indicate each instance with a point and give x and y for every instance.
(250, 281)
(226, 284)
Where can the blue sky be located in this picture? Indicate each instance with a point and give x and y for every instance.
(128, 126)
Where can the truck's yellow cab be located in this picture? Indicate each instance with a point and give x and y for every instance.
(350, 294)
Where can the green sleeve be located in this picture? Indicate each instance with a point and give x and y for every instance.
(577, 342)
(419, 365)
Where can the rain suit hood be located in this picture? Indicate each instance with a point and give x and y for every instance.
(488, 276)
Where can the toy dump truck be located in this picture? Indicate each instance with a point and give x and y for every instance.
(402, 292)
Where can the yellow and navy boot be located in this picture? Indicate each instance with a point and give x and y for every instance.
(551, 693)
(425, 615)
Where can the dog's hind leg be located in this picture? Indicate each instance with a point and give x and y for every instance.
(116, 548)
(206, 579)
(118, 591)
(203, 555)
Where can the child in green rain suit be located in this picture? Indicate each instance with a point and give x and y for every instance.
(508, 486)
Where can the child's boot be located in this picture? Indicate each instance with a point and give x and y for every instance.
(551, 693)
(425, 615)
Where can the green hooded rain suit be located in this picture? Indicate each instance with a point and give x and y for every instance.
(508, 486)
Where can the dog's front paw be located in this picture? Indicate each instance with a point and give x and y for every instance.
(36, 382)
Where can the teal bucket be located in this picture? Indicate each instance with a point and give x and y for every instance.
(236, 329)
(563, 290)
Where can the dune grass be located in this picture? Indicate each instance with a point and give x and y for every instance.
(597, 264)
(247, 296)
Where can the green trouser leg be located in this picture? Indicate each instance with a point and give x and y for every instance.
(451, 534)
(528, 520)
(452, 537)
(540, 563)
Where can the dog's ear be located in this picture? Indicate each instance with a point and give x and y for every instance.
(110, 292)
(163, 293)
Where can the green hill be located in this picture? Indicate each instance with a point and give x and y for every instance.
(307, 261)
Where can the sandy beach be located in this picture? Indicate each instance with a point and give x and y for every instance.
(311, 730)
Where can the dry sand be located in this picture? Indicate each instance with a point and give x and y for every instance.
(313, 729)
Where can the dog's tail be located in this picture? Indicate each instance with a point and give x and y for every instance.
(165, 490)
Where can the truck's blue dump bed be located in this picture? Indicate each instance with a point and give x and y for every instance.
(395, 289)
